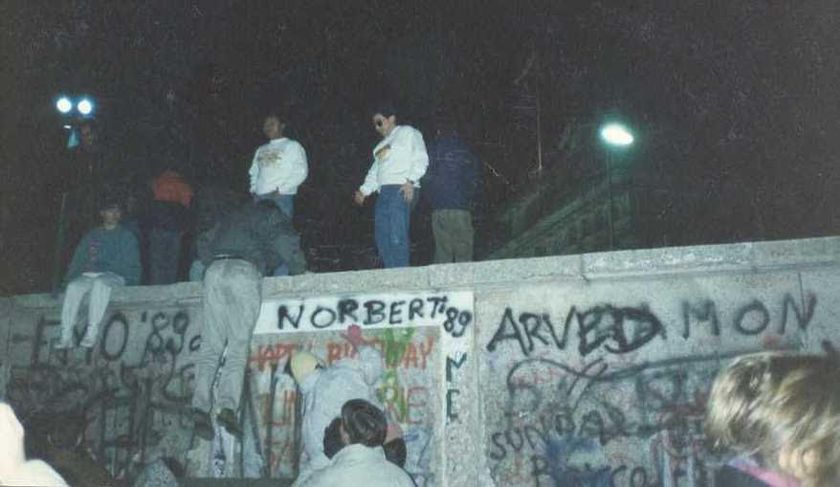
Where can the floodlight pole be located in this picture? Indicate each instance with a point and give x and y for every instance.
(610, 195)
(615, 136)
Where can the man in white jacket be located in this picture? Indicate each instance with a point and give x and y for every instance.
(279, 166)
(399, 161)
(362, 460)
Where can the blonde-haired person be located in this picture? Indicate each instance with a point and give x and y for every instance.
(780, 413)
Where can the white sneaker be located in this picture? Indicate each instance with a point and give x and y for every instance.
(63, 345)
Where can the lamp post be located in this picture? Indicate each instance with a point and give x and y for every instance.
(616, 136)
(84, 110)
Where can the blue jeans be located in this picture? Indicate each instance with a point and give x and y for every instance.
(391, 223)
(286, 203)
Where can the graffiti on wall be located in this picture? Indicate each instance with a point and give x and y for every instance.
(411, 332)
(129, 394)
(615, 394)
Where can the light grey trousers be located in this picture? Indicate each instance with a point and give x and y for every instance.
(231, 304)
(99, 286)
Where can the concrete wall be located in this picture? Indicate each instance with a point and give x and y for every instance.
(575, 370)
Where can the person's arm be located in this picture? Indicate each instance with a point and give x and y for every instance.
(296, 169)
(369, 359)
(471, 176)
(79, 260)
(371, 183)
(419, 157)
(254, 172)
(130, 257)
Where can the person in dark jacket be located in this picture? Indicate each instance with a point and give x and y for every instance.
(168, 219)
(237, 253)
(452, 183)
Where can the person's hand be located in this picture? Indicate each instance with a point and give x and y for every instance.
(407, 190)
(359, 197)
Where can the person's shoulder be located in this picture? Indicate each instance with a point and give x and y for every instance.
(410, 129)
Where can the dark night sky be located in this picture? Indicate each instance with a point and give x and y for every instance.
(735, 102)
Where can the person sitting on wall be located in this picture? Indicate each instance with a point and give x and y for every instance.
(15, 469)
(361, 460)
(326, 389)
(106, 257)
(237, 253)
(780, 413)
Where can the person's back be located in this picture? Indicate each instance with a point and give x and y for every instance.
(327, 389)
(361, 465)
(259, 233)
(452, 178)
(362, 460)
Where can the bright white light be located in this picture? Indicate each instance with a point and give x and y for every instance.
(616, 134)
(85, 107)
(64, 105)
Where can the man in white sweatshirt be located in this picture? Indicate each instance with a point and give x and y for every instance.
(279, 166)
(399, 161)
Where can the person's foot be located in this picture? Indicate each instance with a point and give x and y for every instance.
(63, 344)
(227, 418)
(202, 424)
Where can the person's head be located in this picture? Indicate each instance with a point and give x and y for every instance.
(783, 407)
(110, 210)
(384, 117)
(87, 134)
(363, 423)
(273, 126)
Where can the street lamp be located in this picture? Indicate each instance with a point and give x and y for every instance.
(64, 105)
(85, 107)
(617, 137)
(70, 120)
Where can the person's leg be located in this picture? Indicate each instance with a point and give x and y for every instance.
(164, 249)
(100, 295)
(242, 306)
(76, 290)
(462, 236)
(381, 227)
(400, 214)
(212, 335)
(443, 252)
(286, 203)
